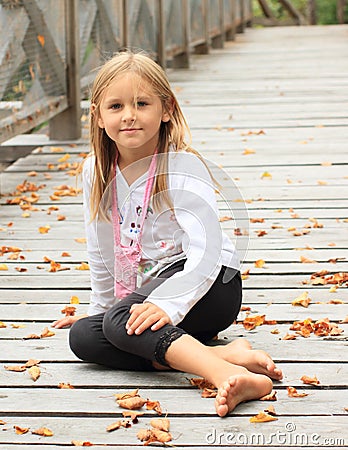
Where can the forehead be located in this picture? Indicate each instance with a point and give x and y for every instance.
(129, 84)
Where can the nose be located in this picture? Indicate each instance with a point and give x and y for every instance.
(129, 114)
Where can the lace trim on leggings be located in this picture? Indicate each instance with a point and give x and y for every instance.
(164, 342)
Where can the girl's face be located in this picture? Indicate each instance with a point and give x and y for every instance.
(131, 114)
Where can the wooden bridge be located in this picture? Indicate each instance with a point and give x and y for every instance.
(271, 110)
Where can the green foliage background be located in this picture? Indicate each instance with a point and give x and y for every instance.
(326, 10)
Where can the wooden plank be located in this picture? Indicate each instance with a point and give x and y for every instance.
(200, 432)
(101, 377)
(101, 402)
(311, 349)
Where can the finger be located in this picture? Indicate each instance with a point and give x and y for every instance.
(160, 323)
(134, 315)
(143, 323)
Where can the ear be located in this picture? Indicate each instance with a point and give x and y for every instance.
(94, 113)
(168, 109)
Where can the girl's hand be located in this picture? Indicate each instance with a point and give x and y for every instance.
(144, 316)
(66, 322)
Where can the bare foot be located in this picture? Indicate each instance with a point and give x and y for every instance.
(241, 353)
(240, 388)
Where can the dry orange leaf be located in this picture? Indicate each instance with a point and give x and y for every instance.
(3, 325)
(65, 254)
(74, 300)
(46, 333)
(248, 151)
(34, 372)
(43, 432)
(289, 337)
(127, 395)
(81, 240)
(83, 266)
(257, 220)
(160, 424)
(114, 426)
(155, 406)
(201, 383)
(306, 260)
(209, 393)
(262, 417)
(69, 311)
(32, 362)
(20, 430)
(45, 229)
(132, 403)
(270, 410)
(3, 267)
(250, 322)
(302, 300)
(259, 263)
(15, 368)
(272, 397)
(65, 386)
(310, 380)
(82, 443)
(292, 392)
(2, 422)
(41, 39)
(32, 336)
(154, 435)
(225, 218)
(133, 415)
(64, 158)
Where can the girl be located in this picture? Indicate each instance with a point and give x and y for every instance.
(164, 277)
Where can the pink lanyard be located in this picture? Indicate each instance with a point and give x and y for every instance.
(127, 258)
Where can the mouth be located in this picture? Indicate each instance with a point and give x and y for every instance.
(130, 129)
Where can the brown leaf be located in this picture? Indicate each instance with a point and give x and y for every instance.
(262, 417)
(32, 362)
(259, 263)
(310, 380)
(47, 333)
(34, 372)
(68, 311)
(289, 337)
(65, 386)
(127, 395)
(270, 410)
(133, 415)
(302, 300)
(155, 406)
(3, 325)
(20, 430)
(43, 432)
(201, 383)
(132, 403)
(31, 336)
(82, 443)
(160, 424)
(272, 397)
(148, 436)
(250, 322)
(292, 392)
(44, 229)
(209, 393)
(15, 368)
(114, 426)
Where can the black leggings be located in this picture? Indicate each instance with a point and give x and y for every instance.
(103, 338)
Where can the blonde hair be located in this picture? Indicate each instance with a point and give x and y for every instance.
(104, 149)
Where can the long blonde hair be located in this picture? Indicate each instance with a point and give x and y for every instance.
(171, 133)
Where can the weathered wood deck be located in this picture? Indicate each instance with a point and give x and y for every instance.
(291, 83)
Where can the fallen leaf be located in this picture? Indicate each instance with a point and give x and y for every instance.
(310, 380)
(3, 325)
(3, 267)
(45, 229)
(81, 240)
(259, 263)
(289, 337)
(69, 311)
(34, 372)
(74, 300)
(201, 383)
(257, 220)
(32, 362)
(65, 386)
(155, 406)
(248, 151)
(65, 254)
(41, 39)
(43, 432)
(272, 397)
(154, 435)
(292, 392)
(47, 333)
(20, 430)
(83, 266)
(31, 336)
(133, 415)
(262, 417)
(209, 393)
(2, 422)
(15, 368)
(82, 443)
(160, 424)
(127, 395)
(132, 403)
(306, 260)
(302, 300)
(270, 410)
(114, 426)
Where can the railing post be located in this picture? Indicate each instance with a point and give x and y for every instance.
(182, 61)
(67, 124)
(231, 33)
(203, 49)
(124, 22)
(340, 11)
(161, 35)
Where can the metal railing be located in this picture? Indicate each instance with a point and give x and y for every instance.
(50, 48)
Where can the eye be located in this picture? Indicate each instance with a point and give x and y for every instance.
(115, 106)
(141, 103)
